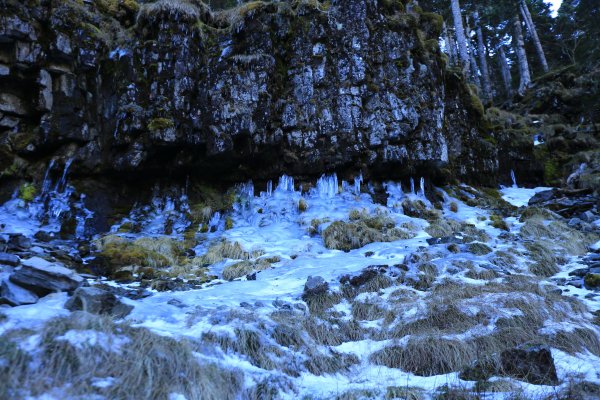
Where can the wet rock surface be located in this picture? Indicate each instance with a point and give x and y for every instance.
(294, 87)
(43, 277)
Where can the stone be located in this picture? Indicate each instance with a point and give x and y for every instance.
(19, 242)
(588, 216)
(530, 363)
(12, 104)
(580, 272)
(445, 240)
(16, 295)
(97, 301)
(43, 277)
(542, 197)
(9, 259)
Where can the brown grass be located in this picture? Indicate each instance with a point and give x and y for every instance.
(152, 366)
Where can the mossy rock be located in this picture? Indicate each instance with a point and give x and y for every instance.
(592, 281)
(27, 192)
(160, 124)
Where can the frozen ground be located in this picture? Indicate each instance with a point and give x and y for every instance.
(272, 223)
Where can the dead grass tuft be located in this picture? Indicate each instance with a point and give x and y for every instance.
(167, 365)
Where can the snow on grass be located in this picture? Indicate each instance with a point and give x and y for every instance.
(83, 338)
(33, 316)
(274, 224)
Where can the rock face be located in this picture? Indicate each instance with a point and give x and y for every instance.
(43, 277)
(296, 87)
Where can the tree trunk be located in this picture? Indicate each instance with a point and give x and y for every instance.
(505, 72)
(534, 35)
(450, 49)
(481, 51)
(460, 36)
(519, 44)
(474, 68)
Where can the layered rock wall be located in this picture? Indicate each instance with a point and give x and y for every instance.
(299, 87)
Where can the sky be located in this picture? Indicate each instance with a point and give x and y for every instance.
(555, 4)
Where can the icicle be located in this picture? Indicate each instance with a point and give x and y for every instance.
(270, 188)
(412, 185)
(514, 179)
(327, 186)
(357, 182)
(213, 223)
(46, 182)
(286, 184)
(61, 184)
(422, 187)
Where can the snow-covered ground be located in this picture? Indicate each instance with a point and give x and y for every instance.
(272, 223)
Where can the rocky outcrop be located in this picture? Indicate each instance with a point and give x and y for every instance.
(299, 87)
(43, 277)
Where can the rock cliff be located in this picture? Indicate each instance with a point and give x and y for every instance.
(300, 87)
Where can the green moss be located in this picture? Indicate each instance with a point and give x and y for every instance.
(475, 102)
(592, 281)
(435, 21)
(228, 223)
(159, 124)
(27, 192)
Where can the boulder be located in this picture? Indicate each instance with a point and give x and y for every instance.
(19, 242)
(97, 301)
(542, 197)
(531, 363)
(43, 277)
(9, 259)
(16, 295)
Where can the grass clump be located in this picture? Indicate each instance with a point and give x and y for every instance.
(479, 249)
(427, 355)
(442, 228)
(244, 268)
(144, 252)
(545, 261)
(302, 205)
(499, 222)
(227, 250)
(167, 366)
(362, 230)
